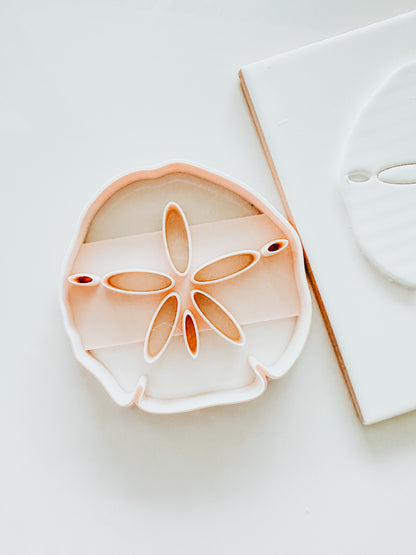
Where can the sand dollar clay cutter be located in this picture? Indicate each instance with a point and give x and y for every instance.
(183, 289)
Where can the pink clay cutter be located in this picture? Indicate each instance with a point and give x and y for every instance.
(184, 289)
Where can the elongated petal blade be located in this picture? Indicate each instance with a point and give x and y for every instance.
(177, 238)
(218, 317)
(161, 327)
(226, 267)
(138, 281)
(190, 333)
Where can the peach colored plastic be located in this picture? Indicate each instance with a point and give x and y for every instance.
(177, 238)
(84, 280)
(161, 327)
(187, 302)
(137, 282)
(95, 314)
(191, 333)
(218, 317)
(225, 267)
(274, 247)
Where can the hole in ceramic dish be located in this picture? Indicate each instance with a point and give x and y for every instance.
(162, 327)
(191, 334)
(358, 176)
(401, 174)
(226, 267)
(217, 317)
(138, 281)
(177, 237)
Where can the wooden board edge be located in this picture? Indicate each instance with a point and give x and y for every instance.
(309, 272)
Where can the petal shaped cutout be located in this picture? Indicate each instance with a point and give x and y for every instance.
(218, 317)
(177, 238)
(139, 282)
(190, 333)
(84, 280)
(226, 267)
(401, 174)
(273, 247)
(161, 327)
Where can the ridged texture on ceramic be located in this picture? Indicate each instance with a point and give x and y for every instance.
(379, 178)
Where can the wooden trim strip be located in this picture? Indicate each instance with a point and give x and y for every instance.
(289, 215)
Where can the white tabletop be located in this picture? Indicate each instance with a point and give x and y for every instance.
(89, 90)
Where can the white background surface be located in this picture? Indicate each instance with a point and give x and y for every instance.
(90, 89)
